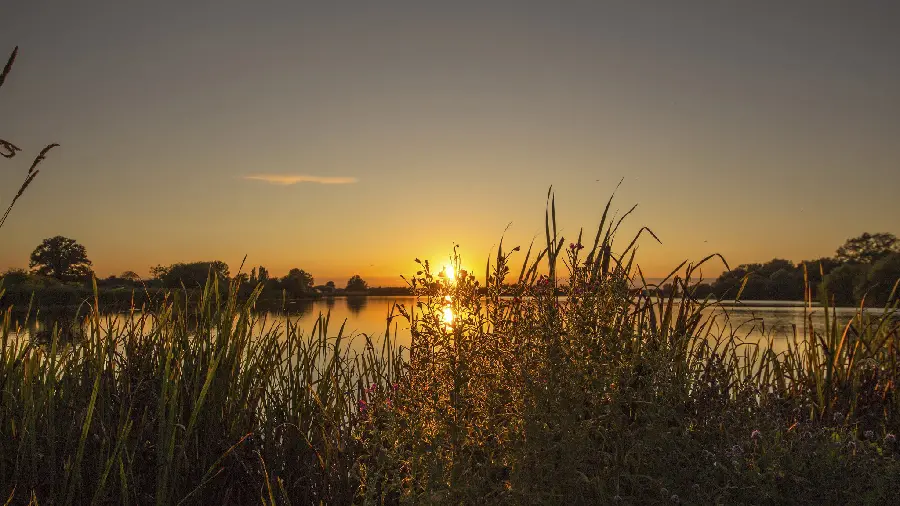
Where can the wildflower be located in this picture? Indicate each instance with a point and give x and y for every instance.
(838, 416)
(869, 434)
(890, 439)
(755, 435)
(362, 406)
(572, 245)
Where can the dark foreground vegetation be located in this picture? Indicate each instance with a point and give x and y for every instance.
(610, 396)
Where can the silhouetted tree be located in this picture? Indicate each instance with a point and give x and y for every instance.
(157, 272)
(786, 284)
(192, 275)
(130, 276)
(867, 248)
(357, 284)
(61, 258)
(882, 278)
(846, 283)
(14, 277)
(816, 270)
(298, 282)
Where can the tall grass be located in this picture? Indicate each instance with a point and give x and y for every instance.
(182, 404)
(556, 381)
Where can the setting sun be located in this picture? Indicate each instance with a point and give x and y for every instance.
(447, 316)
(449, 273)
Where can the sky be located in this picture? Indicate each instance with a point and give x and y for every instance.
(352, 137)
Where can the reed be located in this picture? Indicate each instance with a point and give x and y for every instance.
(9, 150)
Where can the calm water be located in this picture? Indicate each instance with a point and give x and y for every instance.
(753, 321)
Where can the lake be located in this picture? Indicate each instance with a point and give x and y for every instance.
(754, 321)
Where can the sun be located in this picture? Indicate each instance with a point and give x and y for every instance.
(449, 273)
(447, 316)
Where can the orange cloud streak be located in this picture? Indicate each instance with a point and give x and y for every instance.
(289, 179)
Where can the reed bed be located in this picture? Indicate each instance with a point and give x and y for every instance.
(554, 382)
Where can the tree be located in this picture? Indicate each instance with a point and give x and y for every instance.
(61, 258)
(357, 284)
(786, 284)
(846, 283)
(157, 272)
(13, 277)
(882, 278)
(867, 248)
(298, 282)
(130, 276)
(192, 275)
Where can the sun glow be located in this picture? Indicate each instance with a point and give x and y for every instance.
(449, 273)
(447, 316)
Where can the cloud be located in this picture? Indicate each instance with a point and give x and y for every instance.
(289, 179)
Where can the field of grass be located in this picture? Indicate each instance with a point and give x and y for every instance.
(610, 396)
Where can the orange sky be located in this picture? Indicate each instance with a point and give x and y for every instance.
(353, 138)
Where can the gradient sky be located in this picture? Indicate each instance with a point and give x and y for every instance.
(351, 137)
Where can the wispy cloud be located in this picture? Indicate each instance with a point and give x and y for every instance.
(289, 179)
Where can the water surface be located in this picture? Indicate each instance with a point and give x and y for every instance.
(755, 321)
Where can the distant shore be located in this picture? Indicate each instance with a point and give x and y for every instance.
(67, 296)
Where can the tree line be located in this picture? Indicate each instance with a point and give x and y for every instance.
(61, 260)
(865, 268)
